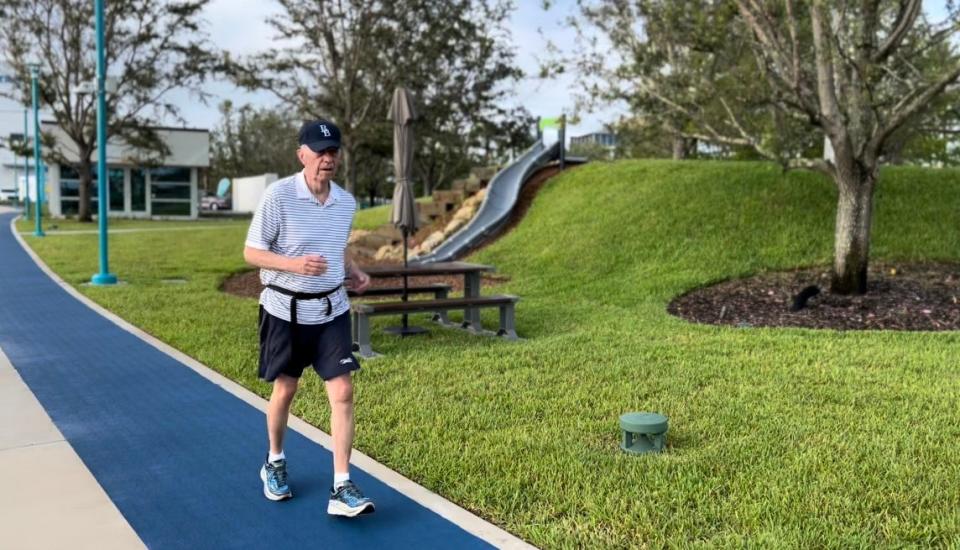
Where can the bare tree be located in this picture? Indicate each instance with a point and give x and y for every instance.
(769, 74)
(153, 47)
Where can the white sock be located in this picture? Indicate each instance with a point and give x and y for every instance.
(275, 457)
(339, 479)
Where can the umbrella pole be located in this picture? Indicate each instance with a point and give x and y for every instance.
(405, 329)
(405, 233)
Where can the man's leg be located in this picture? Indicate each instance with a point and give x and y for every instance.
(274, 470)
(346, 498)
(340, 394)
(278, 410)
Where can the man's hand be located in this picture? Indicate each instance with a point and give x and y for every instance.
(359, 281)
(308, 265)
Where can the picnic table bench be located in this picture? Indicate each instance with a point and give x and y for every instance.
(471, 281)
(440, 292)
(362, 313)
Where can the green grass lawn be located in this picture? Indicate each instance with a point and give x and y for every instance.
(53, 226)
(778, 437)
(372, 218)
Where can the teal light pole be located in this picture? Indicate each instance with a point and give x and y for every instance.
(35, 89)
(26, 168)
(104, 277)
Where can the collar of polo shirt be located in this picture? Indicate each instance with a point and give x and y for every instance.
(303, 192)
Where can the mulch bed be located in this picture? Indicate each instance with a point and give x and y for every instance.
(910, 297)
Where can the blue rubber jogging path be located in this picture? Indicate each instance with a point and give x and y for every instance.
(177, 454)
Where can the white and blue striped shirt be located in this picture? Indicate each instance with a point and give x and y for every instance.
(291, 222)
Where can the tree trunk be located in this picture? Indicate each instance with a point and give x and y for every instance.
(679, 147)
(349, 172)
(852, 233)
(691, 144)
(83, 211)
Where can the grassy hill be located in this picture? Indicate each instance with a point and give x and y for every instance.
(779, 437)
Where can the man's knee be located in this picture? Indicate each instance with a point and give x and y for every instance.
(285, 387)
(340, 389)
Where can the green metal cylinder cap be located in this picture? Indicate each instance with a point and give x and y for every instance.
(643, 423)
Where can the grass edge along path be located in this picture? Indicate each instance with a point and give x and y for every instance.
(779, 437)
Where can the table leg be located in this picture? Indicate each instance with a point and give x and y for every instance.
(471, 289)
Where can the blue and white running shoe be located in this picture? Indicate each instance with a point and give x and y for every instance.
(274, 476)
(348, 501)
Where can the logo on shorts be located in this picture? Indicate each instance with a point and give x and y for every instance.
(325, 130)
(346, 361)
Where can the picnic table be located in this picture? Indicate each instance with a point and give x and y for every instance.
(471, 280)
(471, 303)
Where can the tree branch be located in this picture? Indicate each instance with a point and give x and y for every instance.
(904, 112)
(908, 15)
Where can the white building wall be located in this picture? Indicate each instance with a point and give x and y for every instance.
(246, 192)
(11, 122)
(51, 188)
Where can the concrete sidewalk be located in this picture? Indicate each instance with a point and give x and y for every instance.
(47, 482)
(46, 479)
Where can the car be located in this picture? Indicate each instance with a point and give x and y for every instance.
(213, 202)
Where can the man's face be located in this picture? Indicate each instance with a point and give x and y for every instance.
(319, 167)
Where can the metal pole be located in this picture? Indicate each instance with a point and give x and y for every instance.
(26, 167)
(104, 277)
(405, 233)
(35, 92)
(563, 140)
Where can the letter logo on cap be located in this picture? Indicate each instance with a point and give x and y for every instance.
(326, 132)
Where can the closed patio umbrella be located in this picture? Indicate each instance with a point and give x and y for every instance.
(404, 212)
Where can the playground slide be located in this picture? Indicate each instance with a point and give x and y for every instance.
(502, 193)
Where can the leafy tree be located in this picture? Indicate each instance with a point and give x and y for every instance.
(250, 141)
(780, 76)
(153, 47)
(343, 59)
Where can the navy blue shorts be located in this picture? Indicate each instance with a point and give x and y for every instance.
(328, 347)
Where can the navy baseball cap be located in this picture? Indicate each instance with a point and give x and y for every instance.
(319, 135)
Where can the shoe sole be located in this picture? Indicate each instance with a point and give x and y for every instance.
(337, 508)
(266, 491)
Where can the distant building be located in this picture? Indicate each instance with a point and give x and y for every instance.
(11, 126)
(604, 139)
(169, 190)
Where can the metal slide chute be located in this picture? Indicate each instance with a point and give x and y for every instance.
(502, 194)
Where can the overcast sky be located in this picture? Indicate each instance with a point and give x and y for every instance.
(238, 26)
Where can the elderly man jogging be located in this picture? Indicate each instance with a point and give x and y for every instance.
(298, 239)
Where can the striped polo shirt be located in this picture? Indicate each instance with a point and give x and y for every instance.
(290, 221)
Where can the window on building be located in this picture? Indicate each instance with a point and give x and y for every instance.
(70, 189)
(170, 191)
(138, 190)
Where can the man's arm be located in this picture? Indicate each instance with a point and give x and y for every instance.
(303, 265)
(359, 280)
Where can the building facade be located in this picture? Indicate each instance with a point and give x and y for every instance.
(604, 139)
(135, 189)
(12, 115)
